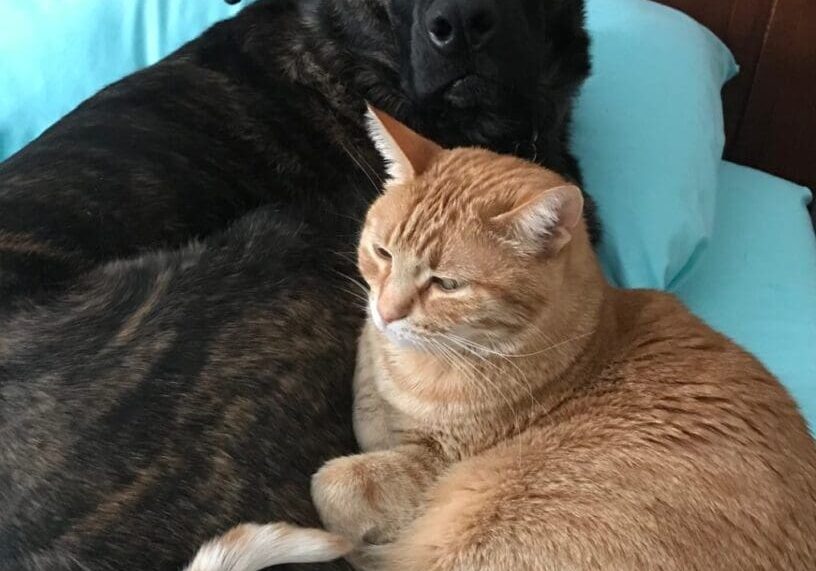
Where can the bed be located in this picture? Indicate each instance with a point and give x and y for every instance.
(746, 264)
(770, 121)
(770, 108)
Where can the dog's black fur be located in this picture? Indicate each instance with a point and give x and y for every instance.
(177, 316)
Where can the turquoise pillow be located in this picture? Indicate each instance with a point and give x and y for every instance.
(56, 53)
(649, 133)
(755, 279)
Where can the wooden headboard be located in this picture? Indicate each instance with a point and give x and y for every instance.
(770, 108)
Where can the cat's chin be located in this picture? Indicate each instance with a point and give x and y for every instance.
(400, 337)
(403, 343)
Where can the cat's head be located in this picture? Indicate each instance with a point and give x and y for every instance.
(466, 246)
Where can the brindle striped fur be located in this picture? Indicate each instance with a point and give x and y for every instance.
(177, 326)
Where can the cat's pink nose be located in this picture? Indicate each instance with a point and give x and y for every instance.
(391, 312)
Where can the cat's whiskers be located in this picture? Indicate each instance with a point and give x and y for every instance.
(469, 370)
(495, 353)
(457, 364)
(347, 256)
(450, 358)
(348, 253)
(357, 296)
(356, 282)
(524, 381)
(363, 297)
(443, 352)
(78, 563)
(360, 161)
(472, 348)
(485, 377)
(517, 428)
(355, 219)
(438, 350)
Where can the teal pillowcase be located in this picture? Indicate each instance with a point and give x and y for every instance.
(755, 280)
(649, 133)
(56, 53)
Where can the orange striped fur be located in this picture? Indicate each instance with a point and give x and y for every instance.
(517, 413)
(535, 418)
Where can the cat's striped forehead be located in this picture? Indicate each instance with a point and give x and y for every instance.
(458, 195)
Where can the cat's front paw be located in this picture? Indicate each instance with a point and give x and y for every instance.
(348, 497)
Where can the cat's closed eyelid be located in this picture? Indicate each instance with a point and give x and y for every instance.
(447, 285)
(381, 252)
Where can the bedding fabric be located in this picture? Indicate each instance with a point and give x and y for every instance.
(755, 279)
(649, 133)
(56, 53)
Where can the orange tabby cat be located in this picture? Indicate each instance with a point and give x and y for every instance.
(519, 413)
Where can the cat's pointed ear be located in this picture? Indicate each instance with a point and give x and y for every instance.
(545, 220)
(407, 153)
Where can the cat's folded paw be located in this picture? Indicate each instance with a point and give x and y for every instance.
(347, 496)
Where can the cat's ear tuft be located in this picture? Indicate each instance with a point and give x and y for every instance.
(545, 220)
(407, 154)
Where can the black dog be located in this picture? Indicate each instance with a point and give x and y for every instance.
(177, 308)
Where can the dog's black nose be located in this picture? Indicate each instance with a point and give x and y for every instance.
(459, 25)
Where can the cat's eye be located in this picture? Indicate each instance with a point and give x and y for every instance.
(382, 253)
(447, 284)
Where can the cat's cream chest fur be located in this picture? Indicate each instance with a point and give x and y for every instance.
(397, 402)
(374, 418)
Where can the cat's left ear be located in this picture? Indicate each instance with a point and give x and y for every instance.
(407, 153)
(545, 220)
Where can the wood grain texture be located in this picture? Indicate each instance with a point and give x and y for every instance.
(779, 124)
(770, 107)
(741, 25)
